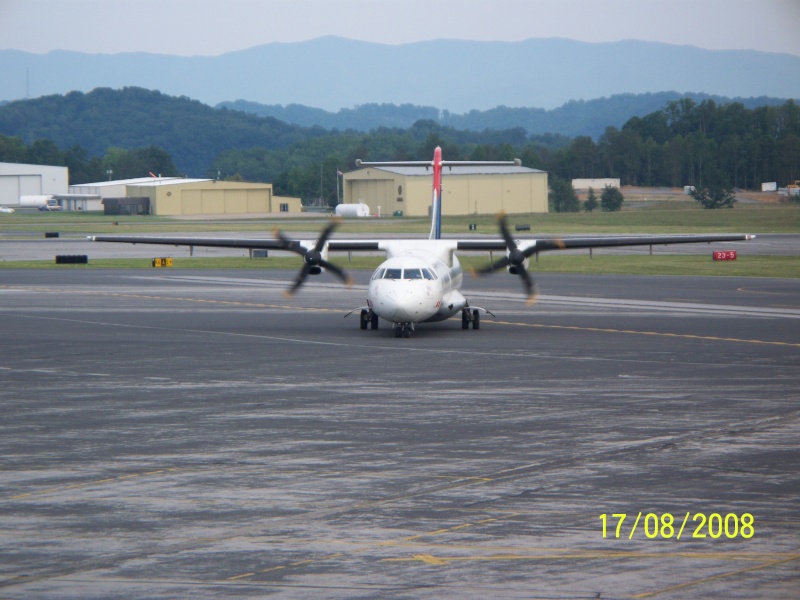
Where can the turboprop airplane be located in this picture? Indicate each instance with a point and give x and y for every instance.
(420, 281)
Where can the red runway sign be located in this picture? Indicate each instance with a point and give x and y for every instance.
(724, 254)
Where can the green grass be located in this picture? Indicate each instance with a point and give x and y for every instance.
(744, 266)
(676, 217)
(671, 217)
(667, 217)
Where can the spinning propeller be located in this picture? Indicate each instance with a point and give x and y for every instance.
(515, 259)
(313, 260)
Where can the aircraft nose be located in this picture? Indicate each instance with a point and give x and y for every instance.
(406, 304)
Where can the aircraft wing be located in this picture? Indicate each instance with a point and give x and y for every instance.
(530, 246)
(254, 243)
(246, 243)
(516, 252)
(540, 245)
(314, 252)
(570, 243)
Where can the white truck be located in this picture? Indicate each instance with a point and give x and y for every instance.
(41, 201)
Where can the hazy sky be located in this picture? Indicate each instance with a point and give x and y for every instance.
(211, 27)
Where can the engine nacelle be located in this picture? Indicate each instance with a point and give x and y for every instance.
(513, 269)
(313, 258)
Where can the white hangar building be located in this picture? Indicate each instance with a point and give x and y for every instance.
(466, 190)
(30, 180)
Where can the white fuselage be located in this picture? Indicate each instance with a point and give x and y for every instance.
(419, 282)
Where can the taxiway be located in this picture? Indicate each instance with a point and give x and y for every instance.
(195, 434)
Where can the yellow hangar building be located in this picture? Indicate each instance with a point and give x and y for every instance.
(178, 196)
(466, 190)
(210, 197)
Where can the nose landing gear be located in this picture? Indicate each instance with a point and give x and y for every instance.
(403, 329)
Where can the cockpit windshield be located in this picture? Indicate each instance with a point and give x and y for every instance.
(414, 273)
(393, 274)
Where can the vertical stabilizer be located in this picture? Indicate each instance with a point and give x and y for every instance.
(436, 203)
(438, 164)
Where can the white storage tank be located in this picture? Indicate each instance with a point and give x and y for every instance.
(352, 210)
(34, 201)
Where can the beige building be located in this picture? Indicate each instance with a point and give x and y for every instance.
(466, 190)
(595, 184)
(211, 197)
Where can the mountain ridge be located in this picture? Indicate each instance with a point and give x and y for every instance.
(574, 118)
(456, 75)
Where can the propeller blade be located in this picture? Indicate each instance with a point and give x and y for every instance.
(527, 282)
(312, 258)
(323, 238)
(291, 245)
(338, 271)
(495, 266)
(510, 243)
(515, 258)
(299, 279)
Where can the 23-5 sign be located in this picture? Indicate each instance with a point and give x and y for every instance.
(724, 254)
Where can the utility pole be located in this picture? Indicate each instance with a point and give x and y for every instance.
(320, 186)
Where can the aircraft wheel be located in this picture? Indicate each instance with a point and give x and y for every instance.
(464, 320)
(398, 331)
(364, 319)
(374, 321)
(406, 332)
(476, 319)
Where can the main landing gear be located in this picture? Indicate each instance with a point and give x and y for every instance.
(368, 318)
(468, 316)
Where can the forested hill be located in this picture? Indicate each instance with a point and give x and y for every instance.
(577, 117)
(133, 131)
(193, 133)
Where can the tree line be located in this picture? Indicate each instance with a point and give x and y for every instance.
(116, 163)
(703, 145)
(684, 143)
(575, 118)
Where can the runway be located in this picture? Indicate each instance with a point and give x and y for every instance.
(196, 434)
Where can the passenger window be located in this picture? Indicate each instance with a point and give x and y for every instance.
(393, 274)
(379, 274)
